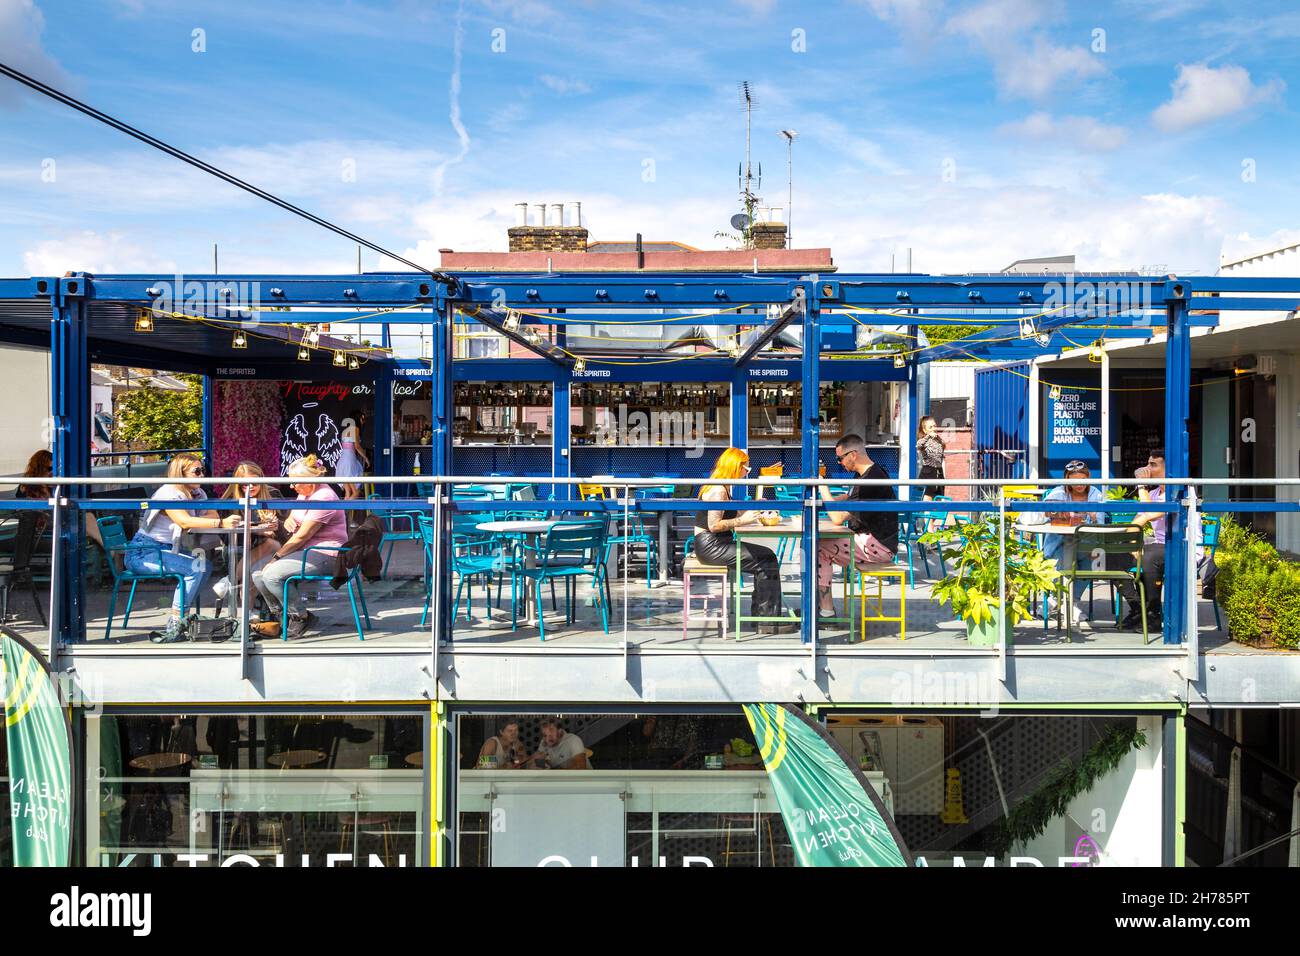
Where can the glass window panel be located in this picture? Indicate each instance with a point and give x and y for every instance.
(282, 790)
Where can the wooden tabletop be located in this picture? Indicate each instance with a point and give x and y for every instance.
(296, 758)
(156, 762)
(789, 527)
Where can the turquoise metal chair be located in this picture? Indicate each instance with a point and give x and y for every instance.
(355, 593)
(639, 531)
(394, 532)
(474, 554)
(785, 545)
(113, 534)
(570, 551)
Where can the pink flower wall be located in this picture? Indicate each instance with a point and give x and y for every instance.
(247, 418)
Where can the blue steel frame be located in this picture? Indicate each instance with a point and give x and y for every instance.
(831, 306)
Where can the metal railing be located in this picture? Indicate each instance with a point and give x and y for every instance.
(436, 501)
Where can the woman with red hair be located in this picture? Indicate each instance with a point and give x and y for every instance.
(716, 544)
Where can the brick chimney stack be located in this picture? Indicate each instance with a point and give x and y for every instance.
(768, 231)
(543, 236)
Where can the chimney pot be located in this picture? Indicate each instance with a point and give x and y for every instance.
(576, 214)
(541, 213)
(521, 214)
(557, 214)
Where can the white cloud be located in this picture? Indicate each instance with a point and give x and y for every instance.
(462, 135)
(1072, 132)
(971, 230)
(916, 19)
(1025, 68)
(1243, 245)
(1202, 93)
(91, 251)
(21, 25)
(558, 84)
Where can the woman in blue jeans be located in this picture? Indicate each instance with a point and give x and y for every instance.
(152, 548)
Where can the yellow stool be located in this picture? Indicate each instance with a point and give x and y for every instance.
(880, 572)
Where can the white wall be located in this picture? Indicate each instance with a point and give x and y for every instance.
(1122, 812)
(25, 374)
(1288, 446)
(1284, 262)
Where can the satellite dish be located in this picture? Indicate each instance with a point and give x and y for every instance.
(740, 221)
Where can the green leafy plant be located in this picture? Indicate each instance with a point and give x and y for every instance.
(972, 587)
(1032, 815)
(1258, 590)
(162, 418)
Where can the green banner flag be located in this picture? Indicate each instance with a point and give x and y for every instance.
(40, 758)
(831, 812)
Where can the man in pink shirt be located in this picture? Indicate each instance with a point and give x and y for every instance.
(308, 528)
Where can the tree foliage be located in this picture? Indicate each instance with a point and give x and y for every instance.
(162, 418)
(939, 334)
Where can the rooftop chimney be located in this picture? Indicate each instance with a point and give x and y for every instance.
(548, 234)
(769, 231)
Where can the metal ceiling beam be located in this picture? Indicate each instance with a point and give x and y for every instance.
(795, 307)
(495, 319)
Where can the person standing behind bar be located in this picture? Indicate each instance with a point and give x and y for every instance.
(716, 544)
(929, 453)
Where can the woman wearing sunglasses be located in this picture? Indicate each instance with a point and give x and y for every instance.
(156, 546)
(716, 543)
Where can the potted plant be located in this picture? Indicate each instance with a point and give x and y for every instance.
(972, 587)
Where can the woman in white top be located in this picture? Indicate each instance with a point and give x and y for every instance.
(352, 461)
(504, 751)
(154, 549)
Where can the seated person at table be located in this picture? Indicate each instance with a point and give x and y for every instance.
(152, 548)
(263, 547)
(40, 465)
(716, 545)
(1054, 544)
(308, 528)
(875, 533)
(1153, 551)
(504, 751)
(558, 750)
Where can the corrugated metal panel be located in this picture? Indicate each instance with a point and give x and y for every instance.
(952, 379)
(1002, 420)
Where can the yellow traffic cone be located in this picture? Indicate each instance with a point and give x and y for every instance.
(952, 809)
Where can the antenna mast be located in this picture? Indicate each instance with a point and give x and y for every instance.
(748, 198)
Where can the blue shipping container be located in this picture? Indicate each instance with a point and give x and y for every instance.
(1002, 420)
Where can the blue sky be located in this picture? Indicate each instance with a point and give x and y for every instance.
(1130, 133)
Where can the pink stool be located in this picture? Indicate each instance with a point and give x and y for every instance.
(692, 568)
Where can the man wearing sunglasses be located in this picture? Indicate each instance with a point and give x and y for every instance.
(1054, 544)
(875, 538)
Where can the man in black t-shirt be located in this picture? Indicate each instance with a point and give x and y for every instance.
(875, 537)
